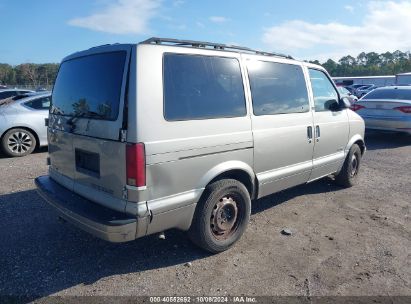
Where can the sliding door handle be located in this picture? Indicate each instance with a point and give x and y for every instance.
(317, 133)
(309, 134)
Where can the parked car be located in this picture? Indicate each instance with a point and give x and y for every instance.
(172, 134)
(361, 91)
(386, 108)
(345, 93)
(22, 126)
(6, 93)
(3, 87)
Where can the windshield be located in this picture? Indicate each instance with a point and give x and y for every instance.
(400, 94)
(90, 86)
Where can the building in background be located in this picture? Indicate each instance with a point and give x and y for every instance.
(380, 81)
(376, 80)
(403, 79)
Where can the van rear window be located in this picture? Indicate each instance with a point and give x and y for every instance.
(90, 86)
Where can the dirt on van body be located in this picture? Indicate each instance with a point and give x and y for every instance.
(351, 242)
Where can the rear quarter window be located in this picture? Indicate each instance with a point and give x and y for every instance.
(202, 87)
(39, 103)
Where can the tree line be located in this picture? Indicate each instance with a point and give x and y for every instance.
(365, 64)
(369, 64)
(28, 74)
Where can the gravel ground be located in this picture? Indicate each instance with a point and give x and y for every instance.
(344, 241)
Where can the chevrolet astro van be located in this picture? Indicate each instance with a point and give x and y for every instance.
(184, 134)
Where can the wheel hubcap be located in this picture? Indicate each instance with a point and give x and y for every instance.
(19, 142)
(354, 165)
(224, 217)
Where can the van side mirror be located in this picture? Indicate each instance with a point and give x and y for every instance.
(332, 105)
(345, 102)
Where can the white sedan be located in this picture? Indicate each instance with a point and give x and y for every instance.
(386, 108)
(22, 125)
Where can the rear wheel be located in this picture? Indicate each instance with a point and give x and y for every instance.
(348, 175)
(18, 142)
(222, 216)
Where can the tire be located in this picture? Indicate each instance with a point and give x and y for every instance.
(18, 142)
(221, 216)
(348, 175)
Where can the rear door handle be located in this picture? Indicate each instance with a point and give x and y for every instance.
(317, 133)
(309, 134)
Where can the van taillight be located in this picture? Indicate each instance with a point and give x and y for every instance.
(136, 165)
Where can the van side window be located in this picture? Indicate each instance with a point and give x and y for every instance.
(324, 92)
(202, 87)
(277, 88)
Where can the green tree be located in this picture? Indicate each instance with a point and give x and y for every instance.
(331, 66)
(6, 73)
(370, 64)
(28, 74)
(348, 60)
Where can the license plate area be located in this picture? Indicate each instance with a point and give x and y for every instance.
(87, 162)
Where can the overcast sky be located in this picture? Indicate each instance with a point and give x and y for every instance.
(47, 30)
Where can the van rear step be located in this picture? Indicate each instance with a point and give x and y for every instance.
(100, 221)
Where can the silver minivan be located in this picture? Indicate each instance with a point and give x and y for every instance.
(185, 134)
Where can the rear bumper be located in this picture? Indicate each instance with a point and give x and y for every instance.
(402, 124)
(102, 222)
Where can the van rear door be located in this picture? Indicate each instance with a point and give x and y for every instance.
(86, 122)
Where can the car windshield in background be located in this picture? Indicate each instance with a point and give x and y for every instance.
(90, 86)
(389, 94)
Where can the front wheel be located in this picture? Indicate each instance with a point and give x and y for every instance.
(221, 216)
(18, 142)
(348, 175)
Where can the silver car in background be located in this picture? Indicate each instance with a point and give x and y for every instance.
(386, 108)
(22, 123)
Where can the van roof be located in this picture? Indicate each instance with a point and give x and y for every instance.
(210, 45)
(170, 42)
(194, 44)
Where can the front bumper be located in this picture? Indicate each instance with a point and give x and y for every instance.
(100, 221)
